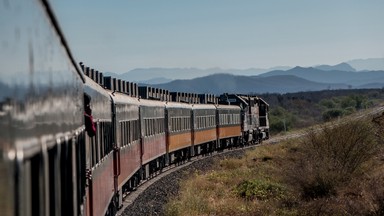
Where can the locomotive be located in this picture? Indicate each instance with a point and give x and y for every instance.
(73, 142)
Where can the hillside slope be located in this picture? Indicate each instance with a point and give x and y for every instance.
(220, 83)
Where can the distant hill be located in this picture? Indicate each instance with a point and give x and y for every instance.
(338, 67)
(333, 76)
(371, 64)
(163, 75)
(351, 74)
(220, 83)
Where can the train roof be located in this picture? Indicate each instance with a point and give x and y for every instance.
(121, 98)
(203, 106)
(90, 85)
(222, 106)
(151, 103)
(178, 105)
(262, 100)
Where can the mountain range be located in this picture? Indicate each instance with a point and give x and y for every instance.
(368, 73)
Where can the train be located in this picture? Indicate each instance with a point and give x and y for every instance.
(75, 142)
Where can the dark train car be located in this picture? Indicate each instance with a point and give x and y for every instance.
(204, 134)
(99, 148)
(41, 115)
(178, 131)
(228, 125)
(254, 117)
(127, 124)
(153, 141)
(263, 119)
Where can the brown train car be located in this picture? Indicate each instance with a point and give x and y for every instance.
(228, 125)
(204, 133)
(127, 135)
(178, 131)
(99, 152)
(153, 142)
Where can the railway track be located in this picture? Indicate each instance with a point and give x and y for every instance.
(143, 186)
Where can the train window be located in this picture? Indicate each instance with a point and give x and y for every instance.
(185, 123)
(132, 134)
(178, 124)
(133, 130)
(99, 140)
(197, 122)
(121, 133)
(127, 134)
(155, 126)
(124, 133)
(148, 127)
(221, 119)
(95, 148)
(162, 125)
(126, 130)
(204, 118)
(129, 131)
(173, 124)
(145, 127)
(102, 141)
(202, 121)
(209, 121)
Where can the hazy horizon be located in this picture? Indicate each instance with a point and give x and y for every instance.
(119, 37)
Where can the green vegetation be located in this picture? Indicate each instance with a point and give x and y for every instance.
(336, 169)
(303, 109)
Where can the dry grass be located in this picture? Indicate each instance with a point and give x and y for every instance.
(337, 170)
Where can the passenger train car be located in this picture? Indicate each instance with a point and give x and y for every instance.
(73, 142)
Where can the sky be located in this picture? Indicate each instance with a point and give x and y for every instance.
(121, 35)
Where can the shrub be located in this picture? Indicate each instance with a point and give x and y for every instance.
(332, 113)
(332, 156)
(258, 189)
